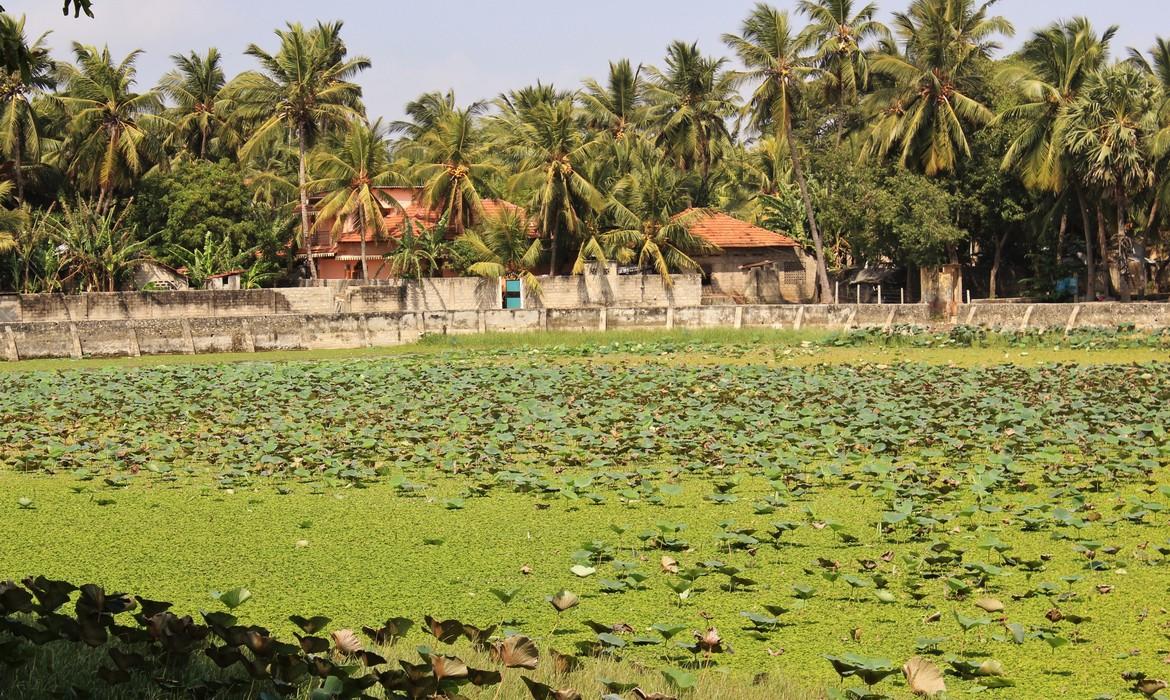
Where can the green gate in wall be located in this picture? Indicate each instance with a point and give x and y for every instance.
(512, 295)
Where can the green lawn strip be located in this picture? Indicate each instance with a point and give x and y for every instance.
(706, 346)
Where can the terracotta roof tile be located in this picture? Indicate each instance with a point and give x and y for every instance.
(419, 213)
(729, 232)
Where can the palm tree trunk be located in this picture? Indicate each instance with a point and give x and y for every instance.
(362, 230)
(456, 205)
(1090, 278)
(840, 112)
(552, 264)
(823, 290)
(1103, 248)
(704, 172)
(203, 142)
(17, 175)
(302, 183)
(1122, 259)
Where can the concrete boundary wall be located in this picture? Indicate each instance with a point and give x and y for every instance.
(122, 306)
(283, 331)
(441, 294)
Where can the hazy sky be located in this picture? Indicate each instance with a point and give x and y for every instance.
(479, 48)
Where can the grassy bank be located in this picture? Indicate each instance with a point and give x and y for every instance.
(709, 346)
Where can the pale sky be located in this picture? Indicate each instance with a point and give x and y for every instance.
(480, 48)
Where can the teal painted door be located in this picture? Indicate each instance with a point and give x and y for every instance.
(512, 297)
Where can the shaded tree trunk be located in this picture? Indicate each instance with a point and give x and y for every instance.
(824, 293)
(303, 186)
(1103, 248)
(1000, 242)
(1086, 223)
(1060, 233)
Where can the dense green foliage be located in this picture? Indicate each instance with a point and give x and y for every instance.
(198, 198)
(1003, 521)
(906, 145)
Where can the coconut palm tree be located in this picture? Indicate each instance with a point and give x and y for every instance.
(691, 102)
(1112, 126)
(1057, 62)
(348, 179)
(201, 111)
(928, 113)
(454, 164)
(423, 113)
(550, 151)
(268, 173)
(303, 89)
(1157, 66)
(647, 222)
(502, 246)
(617, 112)
(114, 132)
(777, 61)
(421, 250)
(11, 220)
(515, 103)
(839, 31)
(620, 104)
(20, 130)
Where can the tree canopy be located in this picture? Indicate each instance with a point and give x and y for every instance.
(911, 144)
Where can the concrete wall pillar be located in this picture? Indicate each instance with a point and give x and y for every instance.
(188, 339)
(1027, 317)
(1072, 319)
(249, 338)
(848, 325)
(10, 351)
(133, 348)
(75, 338)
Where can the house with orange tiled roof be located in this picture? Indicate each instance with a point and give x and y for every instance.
(338, 254)
(755, 264)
